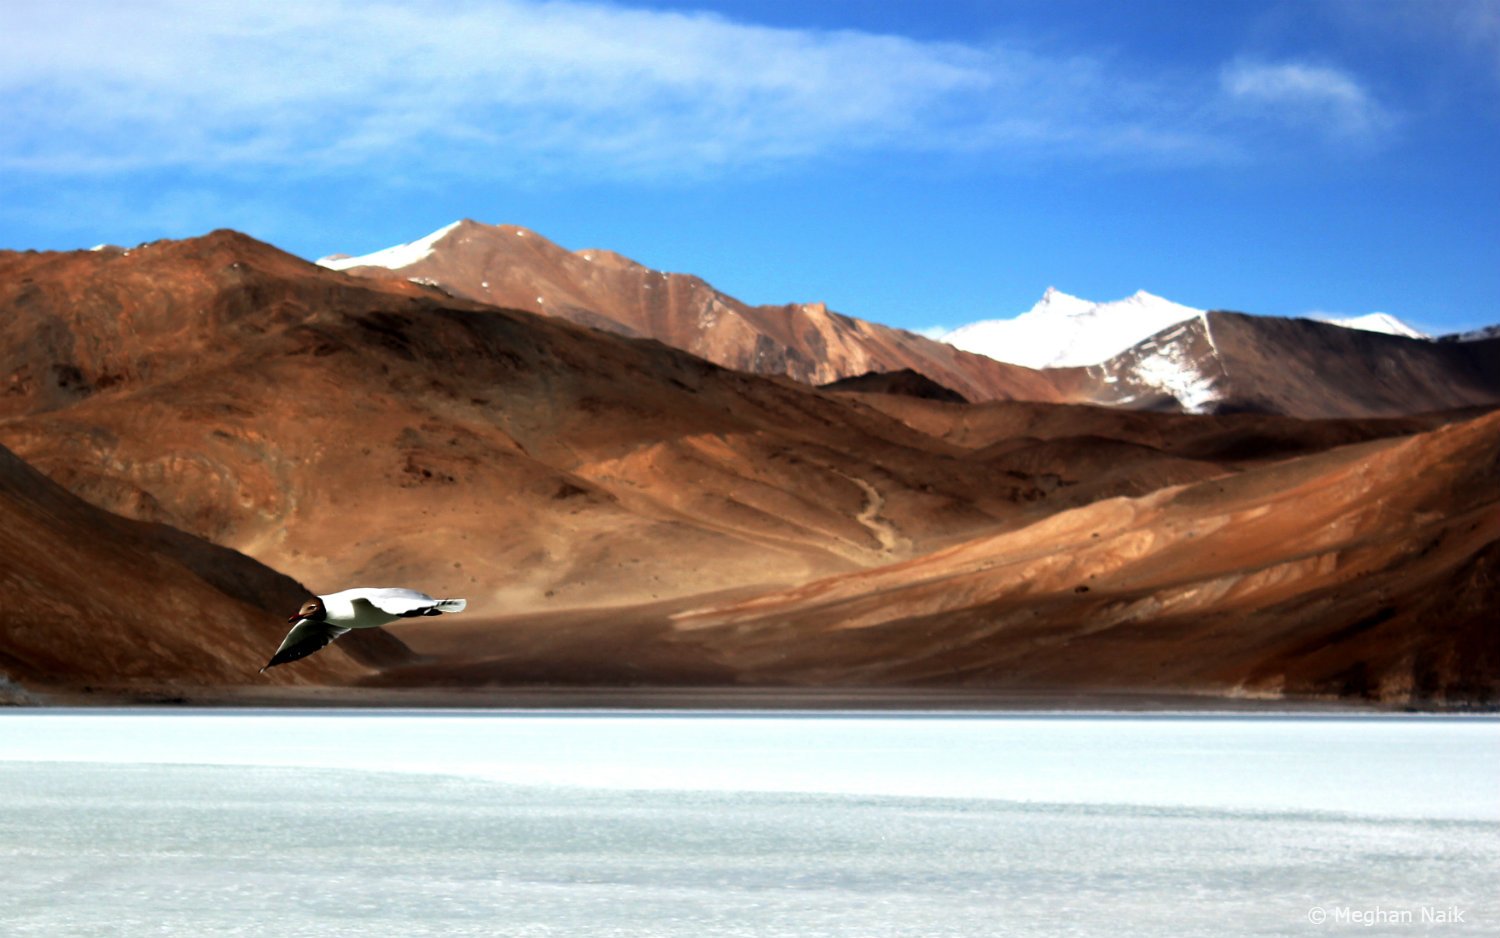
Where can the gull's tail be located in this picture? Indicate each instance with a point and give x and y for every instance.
(451, 605)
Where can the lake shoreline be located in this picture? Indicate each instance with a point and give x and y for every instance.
(752, 699)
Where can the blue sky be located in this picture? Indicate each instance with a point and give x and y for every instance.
(915, 163)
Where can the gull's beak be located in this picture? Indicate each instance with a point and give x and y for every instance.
(294, 619)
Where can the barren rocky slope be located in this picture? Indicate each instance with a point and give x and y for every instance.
(348, 430)
(1369, 572)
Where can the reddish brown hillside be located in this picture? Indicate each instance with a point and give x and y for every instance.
(79, 323)
(355, 431)
(1369, 571)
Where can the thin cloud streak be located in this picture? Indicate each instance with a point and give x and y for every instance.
(524, 89)
(1305, 93)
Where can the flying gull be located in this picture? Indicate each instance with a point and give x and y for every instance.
(325, 618)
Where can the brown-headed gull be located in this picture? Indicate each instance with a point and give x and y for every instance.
(325, 618)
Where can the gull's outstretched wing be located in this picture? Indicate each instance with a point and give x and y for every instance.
(404, 602)
(306, 637)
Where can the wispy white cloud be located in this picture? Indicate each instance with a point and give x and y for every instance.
(521, 87)
(1295, 83)
(1303, 93)
(94, 86)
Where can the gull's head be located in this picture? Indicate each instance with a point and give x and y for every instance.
(312, 609)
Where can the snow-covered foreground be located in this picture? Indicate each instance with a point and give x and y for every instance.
(786, 825)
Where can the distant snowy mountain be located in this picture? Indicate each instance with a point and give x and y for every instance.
(1375, 322)
(1062, 330)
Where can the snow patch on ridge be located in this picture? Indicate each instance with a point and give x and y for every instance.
(1166, 370)
(1208, 333)
(1182, 363)
(1166, 364)
(394, 258)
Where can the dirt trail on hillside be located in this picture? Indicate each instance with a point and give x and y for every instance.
(887, 535)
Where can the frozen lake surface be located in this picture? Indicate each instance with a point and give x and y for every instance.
(402, 824)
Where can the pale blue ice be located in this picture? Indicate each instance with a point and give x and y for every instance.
(393, 824)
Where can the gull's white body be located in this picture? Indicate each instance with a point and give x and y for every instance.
(326, 618)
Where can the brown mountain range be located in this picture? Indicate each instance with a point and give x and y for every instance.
(1220, 362)
(509, 266)
(347, 429)
(585, 489)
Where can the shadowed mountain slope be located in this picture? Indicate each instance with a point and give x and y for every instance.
(905, 382)
(91, 598)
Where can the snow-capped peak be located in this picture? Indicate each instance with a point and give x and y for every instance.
(1063, 330)
(1055, 302)
(395, 258)
(1374, 322)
